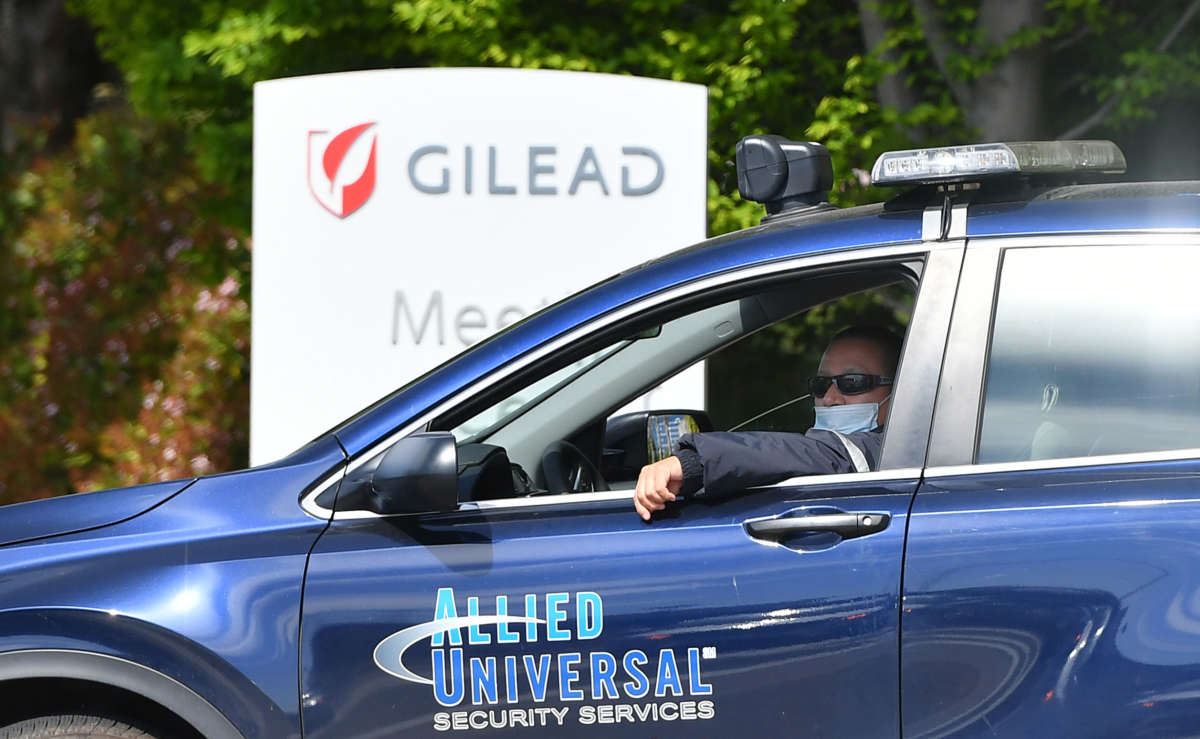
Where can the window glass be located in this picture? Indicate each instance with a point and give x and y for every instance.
(510, 407)
(1094, 351)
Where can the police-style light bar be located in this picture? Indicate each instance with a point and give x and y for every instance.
(976, 162)
(784, 175)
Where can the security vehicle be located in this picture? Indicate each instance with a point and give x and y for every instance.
(463, 557)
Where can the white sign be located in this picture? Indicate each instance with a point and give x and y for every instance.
(401, 216)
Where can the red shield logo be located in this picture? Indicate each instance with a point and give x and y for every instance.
(341, 168)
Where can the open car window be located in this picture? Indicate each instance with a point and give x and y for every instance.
(591, 414)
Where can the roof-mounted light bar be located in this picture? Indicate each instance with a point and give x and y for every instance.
(973, 163)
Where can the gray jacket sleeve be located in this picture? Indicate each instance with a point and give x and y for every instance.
(719, 463)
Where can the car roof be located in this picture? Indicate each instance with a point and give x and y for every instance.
(1071, 208)
(1125, 206)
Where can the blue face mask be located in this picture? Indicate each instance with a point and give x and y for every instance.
(849, 418)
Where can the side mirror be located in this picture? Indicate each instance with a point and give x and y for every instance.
(633, 440)
(419, 474)
(663, 429)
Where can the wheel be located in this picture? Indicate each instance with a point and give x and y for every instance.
(72, 727)
(568, 470)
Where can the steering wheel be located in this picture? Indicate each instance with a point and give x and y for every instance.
(568, 470)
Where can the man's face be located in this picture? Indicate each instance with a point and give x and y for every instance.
(855, 355)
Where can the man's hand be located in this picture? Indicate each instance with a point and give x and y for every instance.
(657, 484)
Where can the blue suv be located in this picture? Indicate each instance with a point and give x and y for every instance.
(463, 557)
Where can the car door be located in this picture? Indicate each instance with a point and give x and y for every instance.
(569, 615)
(1052, 576)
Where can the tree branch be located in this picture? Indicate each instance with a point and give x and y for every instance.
(941, 49)
(1071, 40)
(1098, 117)
(1179, 24)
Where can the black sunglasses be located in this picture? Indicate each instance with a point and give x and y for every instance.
(852, 383)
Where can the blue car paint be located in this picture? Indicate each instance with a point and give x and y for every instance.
(1077, 614)
(205, 585)
(38, 519)
(205, 588)
(804, 637)
(1180, 211)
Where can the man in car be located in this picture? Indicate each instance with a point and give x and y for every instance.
(851, 393)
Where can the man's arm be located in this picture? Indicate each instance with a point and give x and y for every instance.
(736, 461)
(720, 463)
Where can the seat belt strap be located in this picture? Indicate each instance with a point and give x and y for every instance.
(856, 456)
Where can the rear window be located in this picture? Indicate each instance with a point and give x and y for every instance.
(1095, 350)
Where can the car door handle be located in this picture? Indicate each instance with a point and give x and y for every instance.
(846, 525)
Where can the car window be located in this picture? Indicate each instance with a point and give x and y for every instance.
(759, 350)
(1094, 350)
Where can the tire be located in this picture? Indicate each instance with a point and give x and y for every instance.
(72, 727)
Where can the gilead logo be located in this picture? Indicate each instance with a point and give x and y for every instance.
(341, 170)
(526, 664)
(338, 177)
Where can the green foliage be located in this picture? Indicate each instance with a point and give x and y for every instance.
(765, 62)
(129, 355)
(796, 67)
(1109, 49)
(16, 284)
(856, 128)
